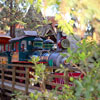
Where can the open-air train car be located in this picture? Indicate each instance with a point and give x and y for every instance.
(4, 49)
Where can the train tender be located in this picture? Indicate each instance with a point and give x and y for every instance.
(4, 49)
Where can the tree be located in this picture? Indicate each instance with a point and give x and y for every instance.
(33, 19)
(11, 14)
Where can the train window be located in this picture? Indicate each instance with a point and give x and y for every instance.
(6, 47)
(11, 46)
(23, 45)
(30, 43)
(14, 47)
(2, 47)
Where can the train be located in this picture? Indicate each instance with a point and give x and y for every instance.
(22, 49)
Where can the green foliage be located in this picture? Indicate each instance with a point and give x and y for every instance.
(87, 57)
(11, 13)
(77, 8)
(19, 96)
(39, 74)
(84, 7)
(64, 25)
(33, 19)
(30, 1)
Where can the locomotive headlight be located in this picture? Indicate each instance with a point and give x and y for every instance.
(65, 43)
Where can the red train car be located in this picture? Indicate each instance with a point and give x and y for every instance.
(4, 47)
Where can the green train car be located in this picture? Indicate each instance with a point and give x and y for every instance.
(23, 47)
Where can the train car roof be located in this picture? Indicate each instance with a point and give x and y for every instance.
(32, 33)
(4, 36)
(4, 39)
(27, 34)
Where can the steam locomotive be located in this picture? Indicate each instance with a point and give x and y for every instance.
(22, 49)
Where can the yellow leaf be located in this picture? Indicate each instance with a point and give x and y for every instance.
(31, 1)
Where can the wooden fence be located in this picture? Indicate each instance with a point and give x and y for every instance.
(16, 77)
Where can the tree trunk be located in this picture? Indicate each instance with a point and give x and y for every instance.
(12, 27)
(12, 31)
